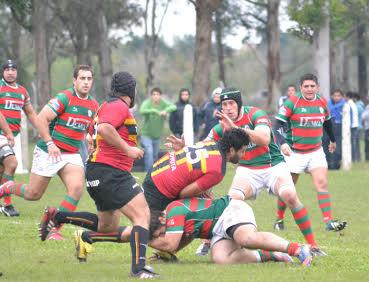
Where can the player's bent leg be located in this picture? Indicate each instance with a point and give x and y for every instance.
(10, 165)
(35, 189)
(228, 252)
(241, 188)
(73, 177)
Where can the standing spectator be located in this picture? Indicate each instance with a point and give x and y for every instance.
(14, 99)
(154, 110)
(176, 117)
(360, 109)
(354, 116)
(335, 105)
(208, 111)
(365, 120)
(291, 90)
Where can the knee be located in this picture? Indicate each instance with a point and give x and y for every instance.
(34, 195)
(218, 258)
(290, 198)
(76, 191)
(247, 240)
(11, 165)
(321, 184)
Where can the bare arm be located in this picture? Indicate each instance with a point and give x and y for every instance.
(170, 242)
(6, 129)
(191, 190)
(260, 135)
(111, 136)
(31, 114)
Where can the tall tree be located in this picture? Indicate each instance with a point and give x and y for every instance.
(202, 58)
(151, 37)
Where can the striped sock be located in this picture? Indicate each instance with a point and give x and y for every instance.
(266, 256)
(292, 248)
(68, 204)
(5, 178)
(302, 219)
(281, 208)
(324, 201)
(16, 189)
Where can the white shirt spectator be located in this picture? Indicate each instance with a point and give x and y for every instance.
(353, 113)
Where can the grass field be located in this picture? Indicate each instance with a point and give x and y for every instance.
(23, 257)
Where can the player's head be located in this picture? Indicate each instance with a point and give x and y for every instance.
(309, 86)
(157, 223)
(233, 143)
(123, 84)
(83, 77)
(291, 90)
(9, 69)
(231, 100)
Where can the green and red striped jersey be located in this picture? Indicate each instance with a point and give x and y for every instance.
(202, 163)
(73, 117)
(255, 156)
(305, 118)
(12, 101)
(195, 217)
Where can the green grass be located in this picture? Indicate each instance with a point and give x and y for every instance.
(23, 257)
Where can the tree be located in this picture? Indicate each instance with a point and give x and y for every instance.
(202, 58)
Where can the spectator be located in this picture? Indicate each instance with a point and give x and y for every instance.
(208, 111)
(291, 90)
(355, 146)
(335, 105)
(176, 117)
(365, 120)
(154, 110)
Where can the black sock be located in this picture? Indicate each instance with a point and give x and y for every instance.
(138, 240)
(92, 237)
(84, 219)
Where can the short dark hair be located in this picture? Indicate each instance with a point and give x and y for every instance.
(233, 138)
(184, 90)
(291, 85)
(357, 96)
(156, 89)
(82, 67)
(338, 91)
(308, 76)
(350, 94)
(155, 222)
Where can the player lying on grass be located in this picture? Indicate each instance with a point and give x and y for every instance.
(183, 173)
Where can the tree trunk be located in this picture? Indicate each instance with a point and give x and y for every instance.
(362, 60)
(202, 58)
(220, 48)
(321, 54)
(273, 69)
(105, 61)
(345, 62)
(42, 67)
(333, 68)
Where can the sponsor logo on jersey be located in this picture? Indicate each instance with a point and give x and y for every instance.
(74, 109)
(303, 110)
(311, 121)
(12, 105)
(170, 222)
(78, 123)
(89, 113)
(321, 110)
(172, 161)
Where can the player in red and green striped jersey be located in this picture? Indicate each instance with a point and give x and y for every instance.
(231, 226)
(305, 116)
(262, 165)
(62, 125)
(13, 99)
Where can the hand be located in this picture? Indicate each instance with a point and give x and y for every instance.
(163, 114)
(10, 138)
(174, 143)
(135, 153)
(332, 147)
(225, 121)
(54, 153)
(286, 150)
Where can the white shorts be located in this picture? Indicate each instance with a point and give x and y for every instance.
(43, 166)
(299, 163)
(236, 212)
(265, 178)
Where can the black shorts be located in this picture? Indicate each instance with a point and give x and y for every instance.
(109, 187)
(154, 198)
